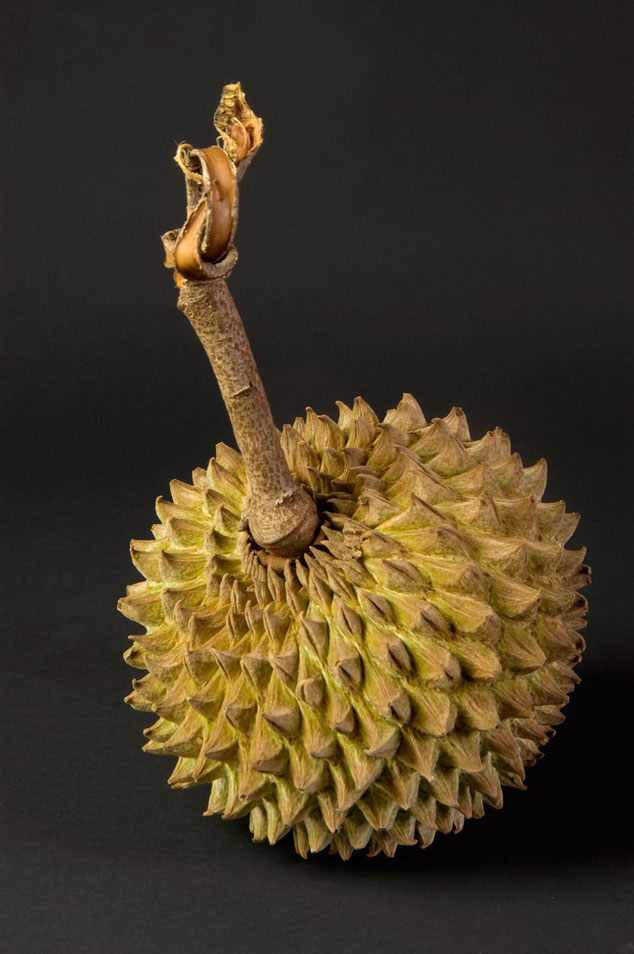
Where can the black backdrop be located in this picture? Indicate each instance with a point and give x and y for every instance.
(439, 207)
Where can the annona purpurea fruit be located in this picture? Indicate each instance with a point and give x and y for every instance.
(386, 684)
(355, 631)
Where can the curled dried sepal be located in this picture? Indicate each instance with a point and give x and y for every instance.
(212, 212)
(240, 129)
(203, 248)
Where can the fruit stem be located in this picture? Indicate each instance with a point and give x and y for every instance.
(281, 515)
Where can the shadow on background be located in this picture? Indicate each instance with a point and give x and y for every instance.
(574, 810)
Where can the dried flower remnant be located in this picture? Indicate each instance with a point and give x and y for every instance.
(240, 129)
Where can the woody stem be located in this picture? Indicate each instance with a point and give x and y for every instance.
(282, 516)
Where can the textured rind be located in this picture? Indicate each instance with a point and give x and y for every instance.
(388, 684)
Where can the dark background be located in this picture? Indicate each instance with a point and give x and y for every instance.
(440, 206)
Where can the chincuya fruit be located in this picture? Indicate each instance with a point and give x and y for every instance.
(360, 631)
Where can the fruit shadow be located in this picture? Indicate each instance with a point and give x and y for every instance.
(570, 814)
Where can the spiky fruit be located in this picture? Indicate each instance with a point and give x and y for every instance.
(388, 683)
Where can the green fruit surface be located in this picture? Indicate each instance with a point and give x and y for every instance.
(388, 683)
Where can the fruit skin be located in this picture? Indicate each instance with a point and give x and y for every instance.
(387, 684)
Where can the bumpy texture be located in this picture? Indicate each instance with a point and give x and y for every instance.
(387, 684)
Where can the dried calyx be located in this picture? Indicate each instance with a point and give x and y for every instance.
(281, 515)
